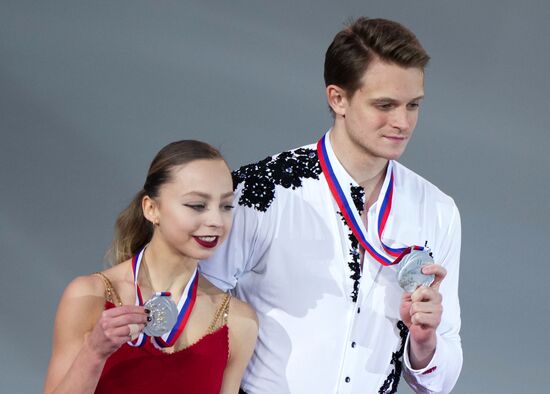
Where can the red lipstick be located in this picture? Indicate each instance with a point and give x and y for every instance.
(207, 244)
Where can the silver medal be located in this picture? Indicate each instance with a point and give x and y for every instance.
(410, 274)
(164, 314)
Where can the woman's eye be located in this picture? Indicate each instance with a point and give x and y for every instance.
(196, 207)
(228, 207)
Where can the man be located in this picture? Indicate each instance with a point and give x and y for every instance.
(316, 231)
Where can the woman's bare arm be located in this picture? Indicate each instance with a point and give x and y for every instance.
(243, 332)
(85, 335)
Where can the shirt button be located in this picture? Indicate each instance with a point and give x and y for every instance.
(353, 344)
(358, 310)
(347, 379)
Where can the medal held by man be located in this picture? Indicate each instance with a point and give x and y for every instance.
(409, 270)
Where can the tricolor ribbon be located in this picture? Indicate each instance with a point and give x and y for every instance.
(185, 306)
(342, 196)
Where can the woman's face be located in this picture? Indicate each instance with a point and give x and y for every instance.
(194, 209)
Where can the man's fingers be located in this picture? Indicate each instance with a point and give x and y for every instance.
(435, 269)
(406, 297)
(428, 320)
(426, 294)
(425, 307)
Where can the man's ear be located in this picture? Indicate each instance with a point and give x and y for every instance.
(337, 99)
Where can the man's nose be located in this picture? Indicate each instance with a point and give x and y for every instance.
(401, 119)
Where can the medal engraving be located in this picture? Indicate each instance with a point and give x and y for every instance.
(164, 314)
(410, 274)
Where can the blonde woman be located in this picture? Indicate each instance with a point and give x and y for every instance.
(104, 335)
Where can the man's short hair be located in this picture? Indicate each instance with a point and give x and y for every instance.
(353, 48)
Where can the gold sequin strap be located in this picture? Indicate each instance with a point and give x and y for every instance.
(221, 314)
(110, 293)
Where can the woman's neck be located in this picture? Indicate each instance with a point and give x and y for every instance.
(164, 269)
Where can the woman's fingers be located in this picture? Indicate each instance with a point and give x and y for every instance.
(123, 318)
(135, 330)
(122, 310)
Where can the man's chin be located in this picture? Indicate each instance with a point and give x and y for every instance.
(393, 155)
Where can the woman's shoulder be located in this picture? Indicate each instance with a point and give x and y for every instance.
(243, 327)
(239, 312)
(85, 285)
(95, 284)
(80, 306)
(242, 311)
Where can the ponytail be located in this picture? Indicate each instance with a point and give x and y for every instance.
(132, 232)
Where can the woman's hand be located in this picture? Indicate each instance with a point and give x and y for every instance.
(85, 335)
(115, 327)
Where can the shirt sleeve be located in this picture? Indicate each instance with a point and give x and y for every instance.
(239, 253)
(441, 374)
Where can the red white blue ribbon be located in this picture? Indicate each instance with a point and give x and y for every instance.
(185, 306)
(342, 196)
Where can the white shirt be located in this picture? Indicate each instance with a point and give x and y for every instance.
(325, 325)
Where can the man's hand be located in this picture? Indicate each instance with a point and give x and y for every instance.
(421, 312)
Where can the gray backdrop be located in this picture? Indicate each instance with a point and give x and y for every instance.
(89, 91)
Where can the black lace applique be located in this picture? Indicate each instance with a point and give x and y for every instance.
(396, 359)
(354, 263)
(357, 194)
(286, 169)
(358, 197)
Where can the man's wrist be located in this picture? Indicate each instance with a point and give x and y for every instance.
(420, 354)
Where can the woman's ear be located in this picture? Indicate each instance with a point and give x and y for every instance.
(150, 210)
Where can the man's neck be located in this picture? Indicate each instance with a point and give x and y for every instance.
(369, 172)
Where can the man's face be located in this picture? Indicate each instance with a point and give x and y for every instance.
(381, 115)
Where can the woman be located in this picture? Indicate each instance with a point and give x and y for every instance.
(105, 339)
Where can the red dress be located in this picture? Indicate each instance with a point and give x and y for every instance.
(195, 369)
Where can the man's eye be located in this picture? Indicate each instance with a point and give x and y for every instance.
(196, 207)
(385, 107)
(413, 105)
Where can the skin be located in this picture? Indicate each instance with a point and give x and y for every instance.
(196, 201)
(372, 126)
(421, 312)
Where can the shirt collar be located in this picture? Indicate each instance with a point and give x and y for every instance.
(346, 180)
